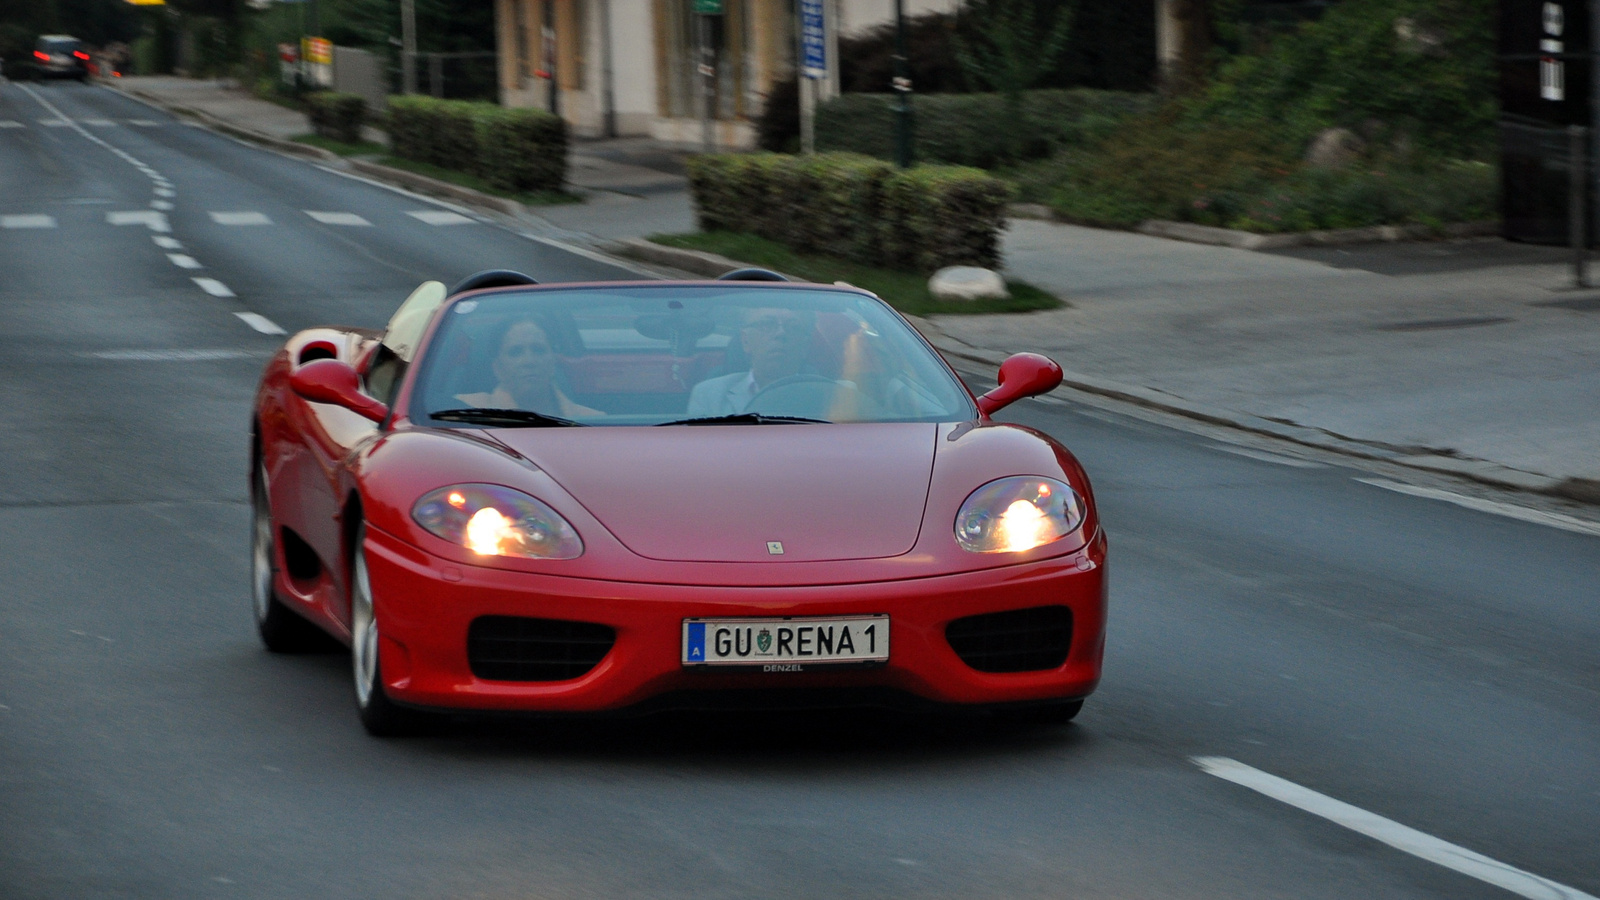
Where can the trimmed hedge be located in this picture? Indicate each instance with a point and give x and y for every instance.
(337, 117)
(512, 149)
(977, 129)
(855, 207)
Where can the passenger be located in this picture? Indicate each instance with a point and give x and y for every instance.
(525, 365)
(776, 342)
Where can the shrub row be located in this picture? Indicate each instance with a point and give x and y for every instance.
(976, 129)
(337, 117)
(512, 149)
(856, 207)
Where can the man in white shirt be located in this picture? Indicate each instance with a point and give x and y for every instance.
(776, 341)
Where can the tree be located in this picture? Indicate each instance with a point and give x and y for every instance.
(1010, 46)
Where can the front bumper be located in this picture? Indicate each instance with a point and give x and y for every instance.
(425, 604)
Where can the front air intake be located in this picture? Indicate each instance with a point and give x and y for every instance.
(512, 648)
(1019, 640)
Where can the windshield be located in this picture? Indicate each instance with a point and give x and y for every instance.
(688, 354)
(59, 45)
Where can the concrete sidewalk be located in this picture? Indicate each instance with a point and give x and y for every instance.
(1461, 356)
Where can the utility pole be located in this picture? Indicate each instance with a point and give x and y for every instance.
(1577, 214)
(902, 90)
(607, 74)
(813, 67)
(408, 46)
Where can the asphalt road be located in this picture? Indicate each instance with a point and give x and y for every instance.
(1433, 665)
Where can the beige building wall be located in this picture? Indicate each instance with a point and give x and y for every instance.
(654, 60)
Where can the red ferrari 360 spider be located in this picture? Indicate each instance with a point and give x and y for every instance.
(585, 497)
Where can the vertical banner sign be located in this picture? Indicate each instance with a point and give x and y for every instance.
(1552, 70)
(813, 40)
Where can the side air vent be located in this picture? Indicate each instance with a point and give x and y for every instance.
(512, 648)
(1019, 640)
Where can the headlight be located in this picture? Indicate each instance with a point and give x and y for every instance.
(1019, 513)
(491, 520)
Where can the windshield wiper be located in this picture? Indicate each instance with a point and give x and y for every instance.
(749, 419)
(504, 418)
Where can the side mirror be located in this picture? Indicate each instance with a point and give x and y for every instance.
(1021, 375)
(335, 382)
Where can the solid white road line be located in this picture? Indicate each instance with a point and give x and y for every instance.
(213, 287)
(260, 323)
(1523, 513)
(27, 221)
(184, 261)
(1400, 837)
(167, 243)
(11, 123)
(1270, 457)
(98, 123)
(54, 123)
(337, 218)
(143, 123)
(439, 217)
(240, 218)
(155, 221)
(168, 355)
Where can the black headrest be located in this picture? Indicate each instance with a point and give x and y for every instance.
(491, 278)
(751, 274)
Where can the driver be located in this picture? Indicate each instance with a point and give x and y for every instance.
(776, 341)
(525, 365)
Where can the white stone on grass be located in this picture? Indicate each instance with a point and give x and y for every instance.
(967, 283)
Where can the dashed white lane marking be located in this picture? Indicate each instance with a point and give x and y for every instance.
(240, 218)
(1269, 457)
(54, 123)
(1400, 837)
(155, 221)
(215, 288)
(439, 217)
(11, 123)
(260, 323)
(165, 192)
(32, 221)
(168, 355)
(1523, 513)
(162, 205)
(143, 123)
(166, 243)
(184, 261)
(337, 218)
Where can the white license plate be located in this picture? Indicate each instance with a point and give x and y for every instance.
(785, 642)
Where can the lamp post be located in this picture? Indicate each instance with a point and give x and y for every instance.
(408, 46)
(902, 90)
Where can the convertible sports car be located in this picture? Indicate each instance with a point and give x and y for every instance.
(587, 497)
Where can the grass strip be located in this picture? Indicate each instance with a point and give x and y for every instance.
(905, 291)
(365, 148)
(529, 198)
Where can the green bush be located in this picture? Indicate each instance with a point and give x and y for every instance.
(338, 117)
(854, 207)
(522, 149)
(511, 149)
(976, 129)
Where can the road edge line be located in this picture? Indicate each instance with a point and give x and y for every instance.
(1401, 837)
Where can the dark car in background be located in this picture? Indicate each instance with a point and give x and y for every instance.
(60, 56)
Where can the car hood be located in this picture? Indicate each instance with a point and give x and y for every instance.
(722, 493)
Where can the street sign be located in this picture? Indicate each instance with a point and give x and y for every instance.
(708, 7)
(813, 39)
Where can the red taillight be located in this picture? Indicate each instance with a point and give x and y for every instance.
(80, 54)
(42, 55)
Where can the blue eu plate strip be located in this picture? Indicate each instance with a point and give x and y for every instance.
(697, 642)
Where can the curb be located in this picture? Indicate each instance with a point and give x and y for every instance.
(696, 262)
(1249, 240)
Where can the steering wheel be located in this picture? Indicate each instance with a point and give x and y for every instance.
(805, 395)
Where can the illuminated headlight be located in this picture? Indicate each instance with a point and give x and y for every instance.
(491, 520)
(1018, 513)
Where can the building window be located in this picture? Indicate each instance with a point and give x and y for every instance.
(679, 37)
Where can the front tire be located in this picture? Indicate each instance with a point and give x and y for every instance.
(281, 629)
(381, 716)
